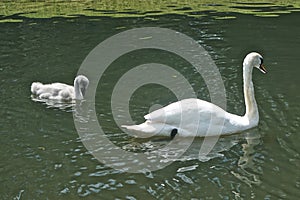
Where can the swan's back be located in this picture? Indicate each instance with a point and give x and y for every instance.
(189, 108)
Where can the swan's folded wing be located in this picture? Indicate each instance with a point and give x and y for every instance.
(186, 111)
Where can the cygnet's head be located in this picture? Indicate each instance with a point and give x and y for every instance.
(82, 82)
(255, 60)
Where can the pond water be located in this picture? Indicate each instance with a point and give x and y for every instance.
(43, 157)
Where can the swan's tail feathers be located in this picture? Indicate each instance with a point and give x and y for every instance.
(35, 86)
(147, 129)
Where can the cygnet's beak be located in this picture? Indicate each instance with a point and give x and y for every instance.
(262, 68)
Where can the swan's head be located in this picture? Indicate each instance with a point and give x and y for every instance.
(82, 82)
(255, 60)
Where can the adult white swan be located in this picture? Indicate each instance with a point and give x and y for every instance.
(61, 91)
(195, 117)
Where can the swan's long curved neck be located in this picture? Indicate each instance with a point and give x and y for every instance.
(251, 106)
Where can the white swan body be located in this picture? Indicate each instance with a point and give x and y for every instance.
(195, 117)
(61, 91)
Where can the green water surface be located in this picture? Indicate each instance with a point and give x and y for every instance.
(42, 156)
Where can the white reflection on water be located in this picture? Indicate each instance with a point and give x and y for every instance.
(65, 106)
(248, 172)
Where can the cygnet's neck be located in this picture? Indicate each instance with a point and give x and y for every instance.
(78, 92)
(251, 106)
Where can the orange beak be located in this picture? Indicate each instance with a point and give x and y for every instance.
(262, 68)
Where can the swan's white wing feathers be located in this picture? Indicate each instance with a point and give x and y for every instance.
(187, 109)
